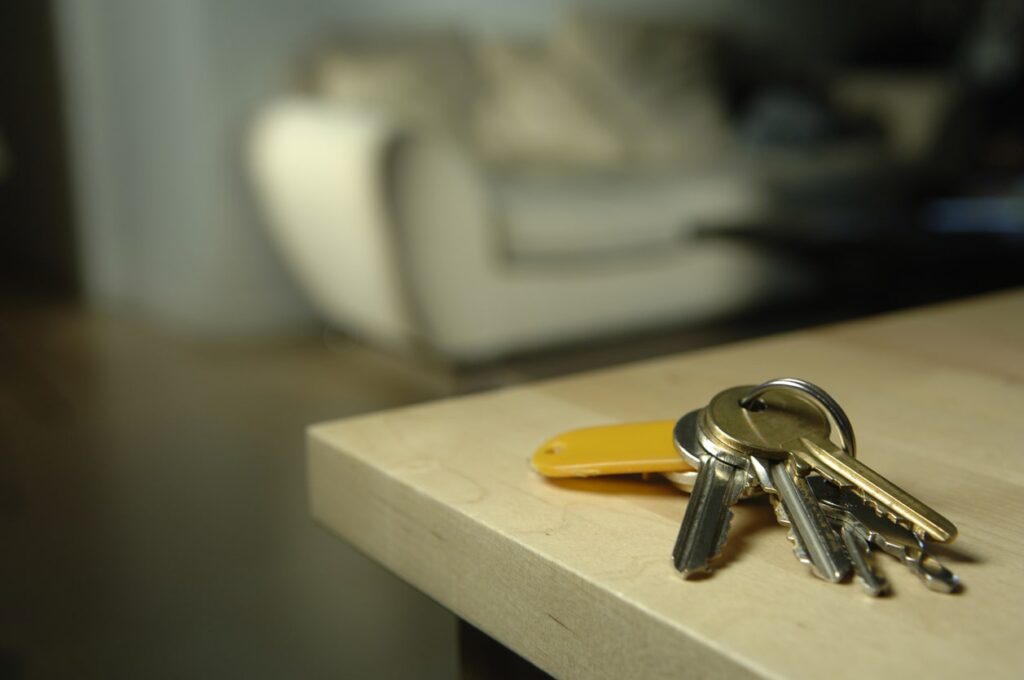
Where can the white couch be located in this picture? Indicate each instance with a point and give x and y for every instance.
(401, 237)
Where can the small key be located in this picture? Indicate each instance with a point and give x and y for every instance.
(856, 537)
(720, 482)
(814, 534)
(932, 573)
(886, 535)
(781, 427)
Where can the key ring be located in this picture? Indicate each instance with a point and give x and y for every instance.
(817, 394)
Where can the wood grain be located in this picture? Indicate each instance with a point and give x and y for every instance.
(576, 575)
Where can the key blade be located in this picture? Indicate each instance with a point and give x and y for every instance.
(708, 515)
(799, 549)
(810, 523)
(846, 470)
(761, 471)
(856, 537)
(857, 547)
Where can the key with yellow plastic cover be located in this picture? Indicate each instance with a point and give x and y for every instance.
(626, 449)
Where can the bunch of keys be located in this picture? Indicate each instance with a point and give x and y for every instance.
(772, 438)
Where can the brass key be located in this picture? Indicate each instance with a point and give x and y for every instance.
(781, 424)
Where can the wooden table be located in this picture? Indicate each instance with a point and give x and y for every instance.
(576, 576)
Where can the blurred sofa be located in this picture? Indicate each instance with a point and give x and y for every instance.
(473, 201)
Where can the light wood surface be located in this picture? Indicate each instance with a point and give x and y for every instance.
(576, 575)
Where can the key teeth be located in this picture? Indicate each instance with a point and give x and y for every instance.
(705, 568)
(875, 506)
(780, 514)
(798, 549)
(881, 510)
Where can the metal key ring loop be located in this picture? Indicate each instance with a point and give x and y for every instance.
(819, 395)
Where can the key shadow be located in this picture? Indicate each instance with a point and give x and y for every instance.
(955, 554)
(750, 516)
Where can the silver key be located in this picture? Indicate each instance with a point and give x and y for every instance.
(931, 572)
(720, 482)
(856, 539)
(799, 549)
(815, 532)
(859, 549)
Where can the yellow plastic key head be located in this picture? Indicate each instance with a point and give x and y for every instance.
(631, 448)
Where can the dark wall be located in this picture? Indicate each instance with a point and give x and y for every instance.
(37, 248)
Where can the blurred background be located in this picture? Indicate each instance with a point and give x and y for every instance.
(223, 220)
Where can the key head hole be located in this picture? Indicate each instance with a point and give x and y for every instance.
(755, 405)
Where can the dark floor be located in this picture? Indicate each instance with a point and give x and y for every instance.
(152, 496)
(153, 499)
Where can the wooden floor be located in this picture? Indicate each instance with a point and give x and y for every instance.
(153, 499)
(152, 495)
